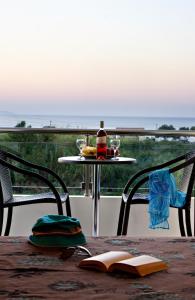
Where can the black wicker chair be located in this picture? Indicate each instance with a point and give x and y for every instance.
(185, 166)
(9, 164)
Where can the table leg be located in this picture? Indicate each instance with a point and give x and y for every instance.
(194, 216)
(96, 199)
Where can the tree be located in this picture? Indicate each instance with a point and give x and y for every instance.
(22, 124)
(167, 127)
(184, 128)
(22, 137)
(184, 138)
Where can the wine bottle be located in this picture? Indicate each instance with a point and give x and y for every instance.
(101, 142)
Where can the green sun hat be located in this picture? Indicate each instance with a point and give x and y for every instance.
(57, 231)
(48, 222)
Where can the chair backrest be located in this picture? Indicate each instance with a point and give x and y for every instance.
(186, 175)
(5, 179)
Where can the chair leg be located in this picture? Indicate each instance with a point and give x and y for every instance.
(121, 217)
(60, 209)
(68, 209)
(9, 220)
(126, 218)
(181, 223)
(1, 219)
(188, 221)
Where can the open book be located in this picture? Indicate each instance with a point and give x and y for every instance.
(124, 261)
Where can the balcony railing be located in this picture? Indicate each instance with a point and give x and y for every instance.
(75, 131)
(147, 146)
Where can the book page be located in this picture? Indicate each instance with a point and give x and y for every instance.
(140, 265)
(141, 260)
(103, 261)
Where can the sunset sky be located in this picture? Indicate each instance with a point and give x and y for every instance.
(98, 57)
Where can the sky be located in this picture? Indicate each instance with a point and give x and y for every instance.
(98, 57)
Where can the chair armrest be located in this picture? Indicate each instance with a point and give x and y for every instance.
(124, 197)
(33, 174)
(128, 196)
(36, 167)
(150, 169)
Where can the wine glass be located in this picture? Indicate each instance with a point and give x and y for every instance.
(115, 144)
(81, 143)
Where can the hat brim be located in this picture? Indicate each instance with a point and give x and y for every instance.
(57, 241)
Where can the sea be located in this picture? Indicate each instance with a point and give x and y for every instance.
(92, 122)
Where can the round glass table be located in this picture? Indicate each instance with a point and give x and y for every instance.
(96, 179)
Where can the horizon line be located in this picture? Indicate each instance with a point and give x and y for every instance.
(92, 116)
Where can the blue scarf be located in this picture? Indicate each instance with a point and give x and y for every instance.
(162, 193)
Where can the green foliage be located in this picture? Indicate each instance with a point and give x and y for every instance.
(22, 124)
(184, 128)
(22, 137)
(166, 127)
(44, 149)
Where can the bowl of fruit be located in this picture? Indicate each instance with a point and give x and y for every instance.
(89, 152)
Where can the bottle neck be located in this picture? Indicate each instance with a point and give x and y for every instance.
(101, 124)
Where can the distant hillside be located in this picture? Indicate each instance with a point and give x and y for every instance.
(4, 113)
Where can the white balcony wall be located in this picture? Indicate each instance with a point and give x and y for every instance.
(25, 216)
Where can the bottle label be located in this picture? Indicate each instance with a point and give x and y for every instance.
(101, 140)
